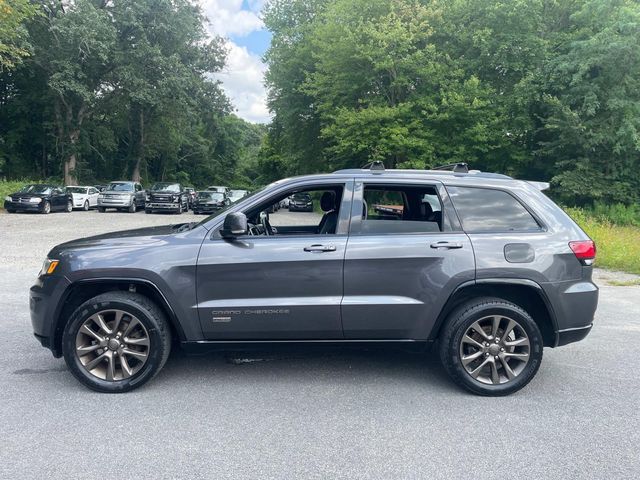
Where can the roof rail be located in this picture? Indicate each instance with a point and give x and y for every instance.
(459, 167)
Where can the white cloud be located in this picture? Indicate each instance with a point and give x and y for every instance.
(243, 81)
(228, 18)
(243, 75)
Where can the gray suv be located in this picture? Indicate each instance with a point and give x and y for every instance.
(486, 267)
(129, 196)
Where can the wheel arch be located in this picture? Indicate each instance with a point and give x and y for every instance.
(79, 292)
(527, 294)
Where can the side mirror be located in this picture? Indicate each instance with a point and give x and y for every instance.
(235, 225)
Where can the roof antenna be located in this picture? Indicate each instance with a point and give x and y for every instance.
(376, 165)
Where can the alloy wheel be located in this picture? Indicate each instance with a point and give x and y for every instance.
(112, 345)
(495, 350)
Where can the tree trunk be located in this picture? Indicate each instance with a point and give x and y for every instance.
(70, 162)
(136, 171)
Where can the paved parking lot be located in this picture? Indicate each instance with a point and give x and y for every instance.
(307, 414)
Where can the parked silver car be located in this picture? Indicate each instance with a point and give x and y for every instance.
(122, 195)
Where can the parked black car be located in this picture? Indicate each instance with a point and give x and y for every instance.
(209, 202)
(300, 202)
(167, 197)
(39, 198)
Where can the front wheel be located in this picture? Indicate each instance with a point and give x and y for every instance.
(69, 208)
(85, 207)
(116, 342)
(46, 208)
(132, 208)
(491, 347)
(102, 209)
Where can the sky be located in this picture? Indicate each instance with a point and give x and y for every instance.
(239, 22)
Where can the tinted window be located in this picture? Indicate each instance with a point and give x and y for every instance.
(486, 210)
(42, 189)
(120, 187)
(401, 209)
(165, 187)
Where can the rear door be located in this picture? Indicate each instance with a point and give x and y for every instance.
(403, 260)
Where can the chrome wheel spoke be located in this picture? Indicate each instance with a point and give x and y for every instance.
(466, 360)
(507, 369)
(495, 376)
(99, 319)
(117, 320)
(82, 351)
(475, 372)
(111, 367)
(126, 369)
(468, 339)
(519, 342)
(134, 354)
(95, 362)
(132, 324)
(87, 331)
(510, 326)
(144, 341)
(523, 357)
(477, 328)
(495, 324)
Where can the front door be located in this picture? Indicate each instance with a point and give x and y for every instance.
(283, 286)
(406, 255)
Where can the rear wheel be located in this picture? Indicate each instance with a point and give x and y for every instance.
(116, 342)
(491, 347)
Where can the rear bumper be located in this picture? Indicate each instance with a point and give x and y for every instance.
(571, 335)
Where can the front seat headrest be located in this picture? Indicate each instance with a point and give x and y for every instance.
(328, 201)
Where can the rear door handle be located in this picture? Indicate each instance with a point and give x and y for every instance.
(320, 248)
(447, 245)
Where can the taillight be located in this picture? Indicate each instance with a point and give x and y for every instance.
(583, 249)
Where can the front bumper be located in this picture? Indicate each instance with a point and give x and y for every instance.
(23, 206)
(301, 208)
(162, 206)
(45, 302)
(204, 208)
(115, 202)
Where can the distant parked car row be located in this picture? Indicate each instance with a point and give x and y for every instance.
(121, 195)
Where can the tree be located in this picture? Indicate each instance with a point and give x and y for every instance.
(14, 43)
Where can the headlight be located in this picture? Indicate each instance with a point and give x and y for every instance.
(101, 196)
(48, 267)
(8, 199)
(35, 200)
(176, 198)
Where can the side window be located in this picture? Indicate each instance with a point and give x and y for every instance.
(310, 210)
(401, 209)
(138, 187)
(92, 191)
(487, 210)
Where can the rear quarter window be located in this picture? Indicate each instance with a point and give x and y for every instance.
(488, 210)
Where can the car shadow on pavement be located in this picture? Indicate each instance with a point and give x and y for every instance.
(331, 365)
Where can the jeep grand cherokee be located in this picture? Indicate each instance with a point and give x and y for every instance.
(487, 266)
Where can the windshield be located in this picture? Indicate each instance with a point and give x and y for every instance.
(76, 190)
(211, 195)
(36, 189)
(120, 187)
(166, 187)
(301, 197)
(213, 188)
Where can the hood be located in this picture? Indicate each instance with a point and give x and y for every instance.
(138, 236)
(29, 195)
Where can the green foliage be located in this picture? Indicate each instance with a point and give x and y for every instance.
(618, 247)
(14, 38)
(123, 89)
(12, 186)
(545, 90)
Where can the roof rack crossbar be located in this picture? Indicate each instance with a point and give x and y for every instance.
(459, 167)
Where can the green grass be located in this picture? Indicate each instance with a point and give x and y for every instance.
(618, 245)
(8, 187)
(624, 283)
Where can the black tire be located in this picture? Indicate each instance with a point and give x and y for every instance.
(147, 312)
(46, 208)
(458, 323)
(9, 210)
(132, 207)
(85, 207)
(148, 210)
(69, 208)
(180, 209)
(102, 209)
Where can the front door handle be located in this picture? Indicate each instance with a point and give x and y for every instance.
(320, 248)
(447, 245)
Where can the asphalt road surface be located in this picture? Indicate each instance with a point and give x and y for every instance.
(319, 414)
